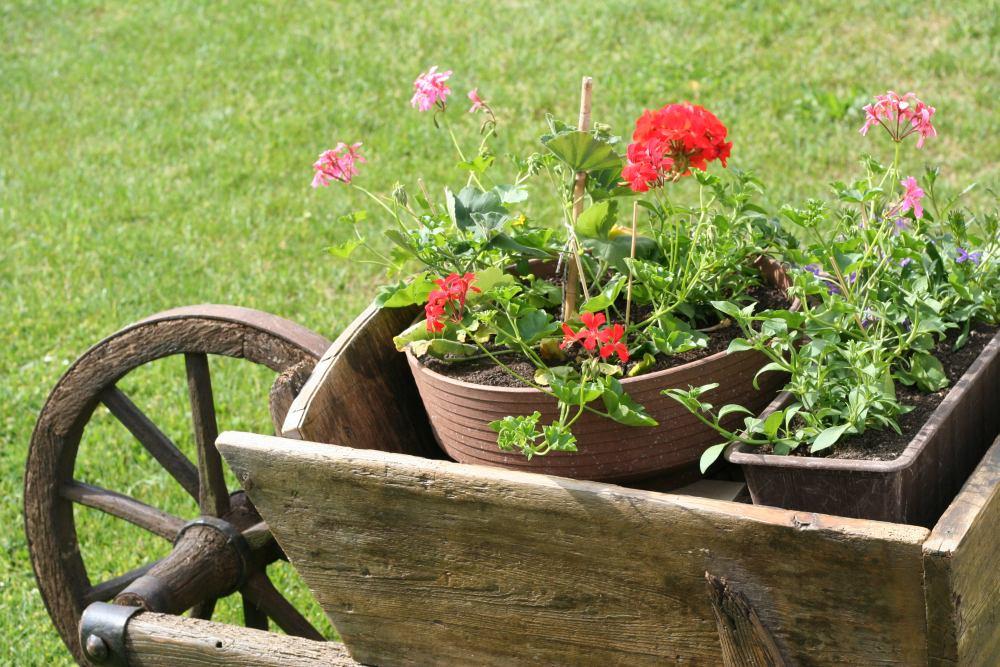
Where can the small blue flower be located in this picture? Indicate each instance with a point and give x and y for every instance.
(965, 256)
(906, 260)
(813, 269)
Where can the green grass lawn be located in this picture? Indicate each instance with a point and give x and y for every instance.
(159, 155)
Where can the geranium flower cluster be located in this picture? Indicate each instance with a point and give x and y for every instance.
(337, 164)
(591, 336)
(448, 299)
(901, 116)
(669, 142)
(430, 89)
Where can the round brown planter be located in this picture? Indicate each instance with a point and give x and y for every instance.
(460, 413)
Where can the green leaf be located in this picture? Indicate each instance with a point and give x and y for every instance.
(767, 368)
(710, 455)
(489, 278)
(471, 200)
(616, 251)
(415, 332)
(622, 408)
(606, 298)
(344, 250)
(535, 325)
(927, 372)
(506, 242)
(511, 194)
(730, 309)
(442, 347)
(597, 221)
(731, 408)
(772, 423)
(582, 151)
(828, 437)
(738, 345)
(406, 293)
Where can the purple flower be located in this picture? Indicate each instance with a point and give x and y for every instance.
(901, 226)
(833, 288)
(964, 256)
(906, 260)
(813, 269)
(868, 318)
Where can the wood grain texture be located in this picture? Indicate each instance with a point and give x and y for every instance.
(160, 640)
(744, 640)
(361, 392)
(203, 565)
(961, 563)
(433, 562)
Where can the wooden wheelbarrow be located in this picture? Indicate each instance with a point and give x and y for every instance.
(417, 560)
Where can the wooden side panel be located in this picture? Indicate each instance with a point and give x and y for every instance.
(163, 640)
(362, 394)
(423, 562)
(962, 572)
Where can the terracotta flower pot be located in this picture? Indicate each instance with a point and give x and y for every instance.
(913, 488)
(460, 413)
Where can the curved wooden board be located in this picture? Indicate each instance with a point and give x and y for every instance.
(361, 393)
(433, 562)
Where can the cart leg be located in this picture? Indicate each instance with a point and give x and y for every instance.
(744, 639)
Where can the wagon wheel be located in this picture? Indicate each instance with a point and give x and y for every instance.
(229, 524)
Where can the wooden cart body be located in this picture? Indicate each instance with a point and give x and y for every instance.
(418, 560)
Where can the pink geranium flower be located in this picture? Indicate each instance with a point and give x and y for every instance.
(901, 116)
(337, 164)
(477, 102)
(912, 197)
(430, 89)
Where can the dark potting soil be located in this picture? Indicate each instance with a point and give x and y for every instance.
(485, 372)
(886, 444)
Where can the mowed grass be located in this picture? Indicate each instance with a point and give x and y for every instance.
(158, 154)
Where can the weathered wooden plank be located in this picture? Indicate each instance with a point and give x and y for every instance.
(433, 562)
(361, 392)
(744, 639)
(961, 563)
(161, 640)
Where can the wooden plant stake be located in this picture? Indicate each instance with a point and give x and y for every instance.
(628, 293)
(574, 269)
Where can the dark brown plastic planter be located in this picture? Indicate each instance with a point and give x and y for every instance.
(460, 413)
(913, 488)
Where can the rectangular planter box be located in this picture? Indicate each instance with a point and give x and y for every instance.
(913, 488)
(422, 561)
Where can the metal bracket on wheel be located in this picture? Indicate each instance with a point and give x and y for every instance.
(233, 537)
(102, 632)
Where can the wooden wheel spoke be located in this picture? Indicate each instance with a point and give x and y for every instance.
(253, 617)
(204, 610)
(134, 511)
(213, 496)
(152, 438)
(260, 591)
(106, 590)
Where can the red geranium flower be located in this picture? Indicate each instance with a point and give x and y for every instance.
(591, 336)
(611, 342)
(450, 296)
(669, 142)
(588, 336)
